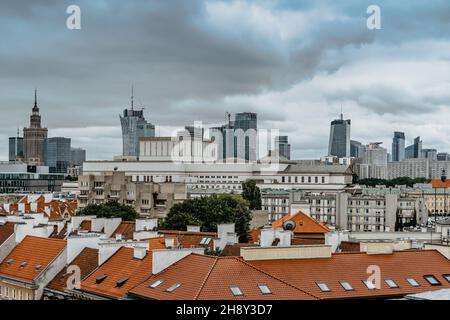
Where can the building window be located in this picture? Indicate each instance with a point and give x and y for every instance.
(323, 179)
(446, 277)
(264, 289)
(432, 280)
(347, 286)
(413, 282)
(369, 284)
(391, 283)
(236, 291)
(323, 287)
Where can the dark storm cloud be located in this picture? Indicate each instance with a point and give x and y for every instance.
(194, 60)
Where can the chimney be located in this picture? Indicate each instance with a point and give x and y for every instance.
(164, 258)
(139, 252)
(170, 242)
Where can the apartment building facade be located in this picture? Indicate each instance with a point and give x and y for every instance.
(147, 196)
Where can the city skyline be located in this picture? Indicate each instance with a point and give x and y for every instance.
(188, 64)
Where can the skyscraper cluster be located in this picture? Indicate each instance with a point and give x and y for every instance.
(36, 149)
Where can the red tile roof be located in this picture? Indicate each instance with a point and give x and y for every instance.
(438, 183)
(210, 278)
(126, 229)
(30, 253)
(352, 268)
(119, 265)
(303, 223)
(6, 230)
(87, 261)
(86, 225)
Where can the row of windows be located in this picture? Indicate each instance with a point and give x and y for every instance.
(431, 279)
(303, 179)
(13, 294)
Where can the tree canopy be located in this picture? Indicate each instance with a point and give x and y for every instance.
(252, 194)
(392, 183)
(208, 212)
(110, 209)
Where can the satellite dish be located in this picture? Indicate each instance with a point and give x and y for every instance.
(289, 225)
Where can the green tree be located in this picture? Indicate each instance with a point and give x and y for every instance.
(110, 209)
(252, 194)
(208, 212)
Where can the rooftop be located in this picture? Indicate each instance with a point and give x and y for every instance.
(31, 257)
(353, 268)
(198, 277)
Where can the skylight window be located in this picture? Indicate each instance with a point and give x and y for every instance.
(369, 284)
(9, 261)
(347, 286)
(100, 279)
(391, 283)
(39, 266)
(432, 280)
(121, 281)
(323, 287)
(157, 283)
(173, 287)
(236, 291)
(205, 241)
(447, 277)
(23, 264)
(413, 282)
(264, 289)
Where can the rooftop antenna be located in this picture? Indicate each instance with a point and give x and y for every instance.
(342, 115)
(132, 97)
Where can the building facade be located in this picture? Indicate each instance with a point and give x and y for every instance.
(58, 154)
(16, 149)
(77, 157)
(398, 146)
(339, 143)
(134, 127)
(34, 138)
(149, 196)
(283, 146)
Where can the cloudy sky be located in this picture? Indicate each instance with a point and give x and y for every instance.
(295, 63)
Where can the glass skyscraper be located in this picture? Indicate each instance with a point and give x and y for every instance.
(339, 143)
(57, 154)
(134, 127)
(398, 146)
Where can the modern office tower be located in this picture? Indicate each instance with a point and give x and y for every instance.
(238, 138)
(245, 131)
(283, 146)
(34, 137)
(77, 157)
(57, 154)
(429, 154)
(339, 144)
(134, 127)
(374, 162)
(398, 146)
(443, 156)
(192, 132)
(16, 148)
(356, 149)
(414, 151)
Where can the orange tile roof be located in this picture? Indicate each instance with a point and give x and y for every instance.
(6, 230)
(303, 223)
(438, 183)
(210, 278)
(86, 225)
(352, 267)
(119, 265)
(157, 243)
(185, 240)
(87, 261)
(126, 229)
(34, 251)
